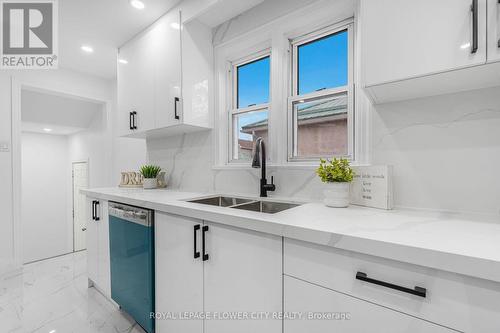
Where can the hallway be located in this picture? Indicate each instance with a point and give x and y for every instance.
(51, 296)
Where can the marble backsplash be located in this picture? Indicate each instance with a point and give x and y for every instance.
(188, 161)
(445, 151)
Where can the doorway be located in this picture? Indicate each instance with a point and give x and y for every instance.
(80, 173)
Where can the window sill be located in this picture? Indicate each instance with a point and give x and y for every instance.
(271, 166)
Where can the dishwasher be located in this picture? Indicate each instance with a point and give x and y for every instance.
(131, 242)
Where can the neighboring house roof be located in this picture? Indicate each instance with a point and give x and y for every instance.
(245, 144)
(312, 112)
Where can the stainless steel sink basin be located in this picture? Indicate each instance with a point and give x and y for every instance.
(269, 207)
(264, 206)
(221, 201)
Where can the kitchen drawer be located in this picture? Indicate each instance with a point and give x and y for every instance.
(452, 300)
(344, 313)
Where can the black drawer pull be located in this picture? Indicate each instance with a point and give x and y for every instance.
(195, 251)
(93, 210)
(131, 120)
(134, 118)
(204, 231)
(176, 101)
(97, 218)
(417, 291)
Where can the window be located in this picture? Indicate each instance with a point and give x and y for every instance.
(249, 115)
(321, 102)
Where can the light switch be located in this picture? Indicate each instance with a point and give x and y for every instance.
(4, 147)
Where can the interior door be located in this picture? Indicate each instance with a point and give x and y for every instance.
(179, 275)
(80, 181)
(405, 38)
(242, 274)
(343, 313)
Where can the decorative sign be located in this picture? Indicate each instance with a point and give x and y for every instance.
(372, 186)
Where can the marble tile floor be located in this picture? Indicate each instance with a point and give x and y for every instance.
(52, 296)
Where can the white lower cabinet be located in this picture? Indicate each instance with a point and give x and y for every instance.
(179, 276)
(98, 261)
(317, 310)
(459, 302)
(243, 276)
(222, 272)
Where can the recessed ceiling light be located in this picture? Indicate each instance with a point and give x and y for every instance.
(137, 4)
(175, 25)
(47, 129)
(87, 49)
(123, 61)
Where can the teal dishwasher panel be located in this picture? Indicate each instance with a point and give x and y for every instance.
(132, 269)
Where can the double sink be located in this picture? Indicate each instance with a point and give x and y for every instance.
(262, 206)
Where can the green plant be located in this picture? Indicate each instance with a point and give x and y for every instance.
(150, 171)
(336, 170)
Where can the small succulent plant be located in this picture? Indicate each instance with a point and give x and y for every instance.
(150, 171)
(336, 170)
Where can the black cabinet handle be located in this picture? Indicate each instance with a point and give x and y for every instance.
(176, 101)
(97, 218)
(93, 210)
(204, 231)
(131, 121)
(195, 251)
(475, 28)
(134, 120)
(497, 23)
(417, 291)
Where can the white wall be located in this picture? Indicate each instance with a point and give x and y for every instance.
(63, 81)
(6, 226)
(45, 196)
(95, 146)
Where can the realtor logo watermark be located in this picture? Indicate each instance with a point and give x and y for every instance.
(29, 34)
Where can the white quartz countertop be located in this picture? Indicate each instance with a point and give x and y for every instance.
(464, 244)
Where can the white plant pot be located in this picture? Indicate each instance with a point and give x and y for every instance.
(150, 183)
(336, 194)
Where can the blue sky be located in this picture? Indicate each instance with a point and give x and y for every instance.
(322, 64)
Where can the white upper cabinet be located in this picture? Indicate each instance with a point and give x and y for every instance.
(403, 39)
(164, 79)
(136, 85)
(168, 74)
(414, 49)
(493, 30)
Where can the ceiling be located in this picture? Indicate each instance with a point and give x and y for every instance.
(61, 115)
(104, 25)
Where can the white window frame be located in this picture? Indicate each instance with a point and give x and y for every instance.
(294, 97)
(234, 110)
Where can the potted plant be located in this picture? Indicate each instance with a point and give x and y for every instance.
(150, 172)
(337, 174)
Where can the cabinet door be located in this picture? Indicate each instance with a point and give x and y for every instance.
(197, 73)
(405, 38)
(92, 243)
(179, 276)
(344, 313)
(243, 275)
(493, 30)
(104, 276)
(136, 83)
(167, 35)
